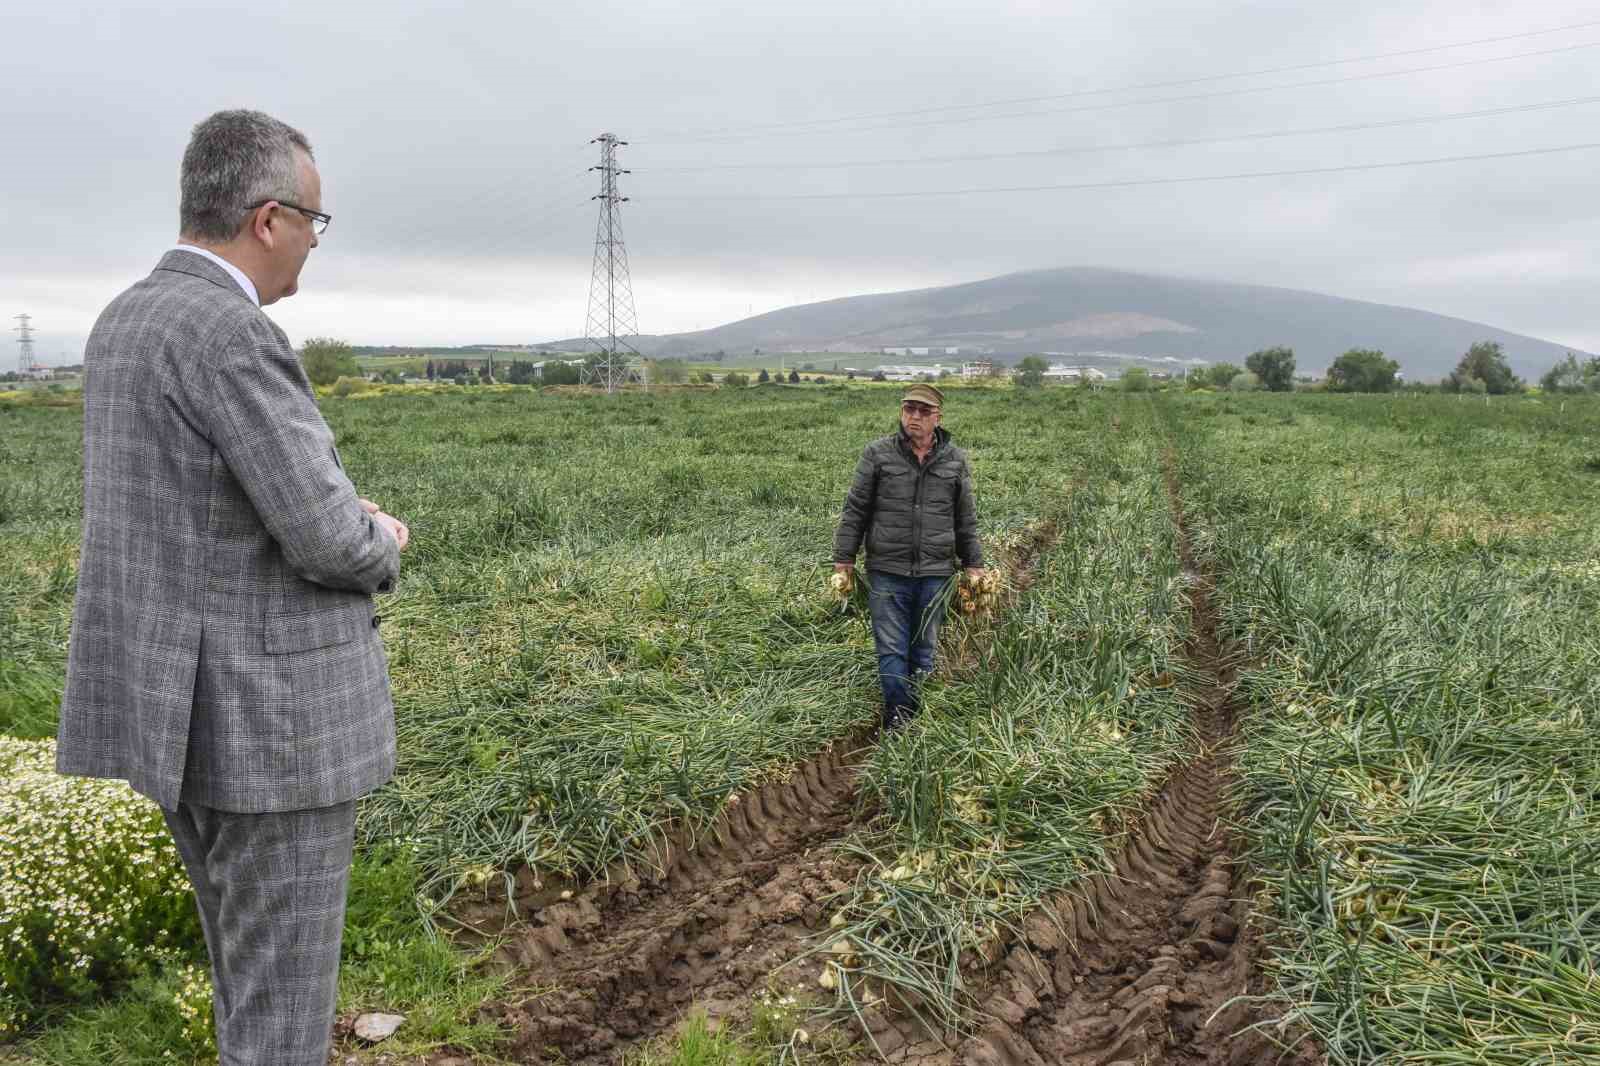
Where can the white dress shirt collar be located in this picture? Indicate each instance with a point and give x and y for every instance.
(234, 272)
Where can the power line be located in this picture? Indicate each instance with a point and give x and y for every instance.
(1174, 83)
(1133, 182)
(508, 212)
(519, 237)
(1219, 94)
(1131, 146)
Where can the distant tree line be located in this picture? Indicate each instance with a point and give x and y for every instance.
(1571, 376)
(1484, 369)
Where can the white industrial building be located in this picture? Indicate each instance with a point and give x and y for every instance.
(1065, 374)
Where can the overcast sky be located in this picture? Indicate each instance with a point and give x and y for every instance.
(453, 142)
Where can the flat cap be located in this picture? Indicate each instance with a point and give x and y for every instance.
(927, 394)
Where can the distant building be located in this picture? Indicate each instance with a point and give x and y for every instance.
(1064, 374)
(981, 368)
(914, 372)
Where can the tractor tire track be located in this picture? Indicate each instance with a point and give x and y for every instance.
(1156, 961)
(624, 961)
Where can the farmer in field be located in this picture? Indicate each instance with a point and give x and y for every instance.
(225, 658)
(912, 503)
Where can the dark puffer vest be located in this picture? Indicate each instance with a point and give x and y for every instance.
(918, 521)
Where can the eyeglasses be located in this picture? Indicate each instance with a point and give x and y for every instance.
(319, 221)
(918, 409)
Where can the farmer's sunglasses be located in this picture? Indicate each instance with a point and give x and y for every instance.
(911, 407)
(319, 221)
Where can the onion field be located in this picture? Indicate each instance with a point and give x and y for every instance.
(1280, 742)
(1414, 583)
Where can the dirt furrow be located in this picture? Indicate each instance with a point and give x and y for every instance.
(1154, 962)
(623, 962)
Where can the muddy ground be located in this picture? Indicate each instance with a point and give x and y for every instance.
(1155, 963)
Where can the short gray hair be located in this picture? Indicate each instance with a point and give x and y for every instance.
(236, 158)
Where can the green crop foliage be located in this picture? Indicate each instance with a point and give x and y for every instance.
(1414, 580)
(614, 617)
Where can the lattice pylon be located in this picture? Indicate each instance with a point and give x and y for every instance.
(25, 361)
(611, 318)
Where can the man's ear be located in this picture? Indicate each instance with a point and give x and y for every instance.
(260, 224)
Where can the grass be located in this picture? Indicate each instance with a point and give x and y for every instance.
(1414, 581)
(392, 962)
(614, 616)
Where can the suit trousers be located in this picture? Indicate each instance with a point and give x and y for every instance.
(271, 892)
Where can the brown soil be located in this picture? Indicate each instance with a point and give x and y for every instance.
(624, 962)
(1155, 962)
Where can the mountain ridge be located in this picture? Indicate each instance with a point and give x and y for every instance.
(1082, 309)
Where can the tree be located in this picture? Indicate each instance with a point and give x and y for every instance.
(429, 370)
(1135, 379)
(327, 360)
(1362, 370)
(763, 377)
(1245, 382)
(558, 373)
(794, 377)
(1274, 367)
(1485, 362)
(670, 371)
(735, 379)
(1218, 375)
(1565, 376)
(1030, 372)
(878, 376)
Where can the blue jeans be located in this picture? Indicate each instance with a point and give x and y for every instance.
(905, 627)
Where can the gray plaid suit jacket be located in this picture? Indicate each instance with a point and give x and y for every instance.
(224, 647)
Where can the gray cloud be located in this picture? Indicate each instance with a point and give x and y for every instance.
(453, 145)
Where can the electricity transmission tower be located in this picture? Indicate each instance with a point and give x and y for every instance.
(25, 343)
(611, 318)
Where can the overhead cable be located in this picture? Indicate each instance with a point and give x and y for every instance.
(1145, 102)
(1184, 142)
(1169, 84)
(1132, 182)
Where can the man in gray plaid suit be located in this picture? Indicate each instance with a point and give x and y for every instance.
(225, 656)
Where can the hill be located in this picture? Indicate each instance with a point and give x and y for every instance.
(1085, 309)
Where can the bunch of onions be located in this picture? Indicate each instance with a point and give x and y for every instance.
(979, 594)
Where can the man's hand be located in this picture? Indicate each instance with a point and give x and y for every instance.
(974, 572)
(397, 529)
(843, 568)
